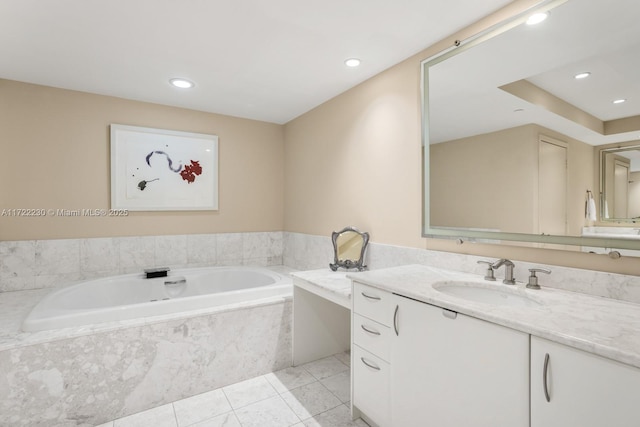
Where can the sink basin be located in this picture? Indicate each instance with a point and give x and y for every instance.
(489, 295)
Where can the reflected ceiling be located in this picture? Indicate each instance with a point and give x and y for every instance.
(575, 38)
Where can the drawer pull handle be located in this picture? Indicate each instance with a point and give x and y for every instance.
(371, 297)
(369, 365)
(545, 370)
(369, 330)
(395, 320)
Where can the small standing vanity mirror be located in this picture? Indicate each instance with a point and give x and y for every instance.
(349, 246)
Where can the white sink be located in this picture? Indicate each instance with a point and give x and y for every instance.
(476, 292)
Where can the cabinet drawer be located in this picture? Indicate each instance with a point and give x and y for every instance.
(371, 386)
(372, 336)
(372, 303)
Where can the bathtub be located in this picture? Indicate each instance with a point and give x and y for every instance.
(133, 296)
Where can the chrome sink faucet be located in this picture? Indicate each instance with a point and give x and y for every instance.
(508, 270)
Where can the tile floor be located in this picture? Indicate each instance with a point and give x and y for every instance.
(315, 394)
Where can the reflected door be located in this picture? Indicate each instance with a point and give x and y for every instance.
(621, 190)
(552, 187)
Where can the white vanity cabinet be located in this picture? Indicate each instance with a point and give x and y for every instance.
(448, 369)
(415, 364)
(370, 353)
(581, 389)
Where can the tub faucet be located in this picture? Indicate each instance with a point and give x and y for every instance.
(151, 273)
(508, 270)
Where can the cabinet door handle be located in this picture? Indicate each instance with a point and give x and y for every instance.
(369, 365)
(545, 370)
(369, 330)
(449, 314)
(371, 297)
(395, 320)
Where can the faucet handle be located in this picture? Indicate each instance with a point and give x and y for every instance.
(488, 275)
(533, 279)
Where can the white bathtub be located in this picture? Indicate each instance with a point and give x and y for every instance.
(132, 296)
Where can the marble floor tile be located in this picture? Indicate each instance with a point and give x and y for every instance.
(225, 420)
(344, 357)
(162, 416)
(325, 367)
(336, 417)
(339, 385)
(289, 378)
(290, 397)
(201, 407)
(272, 412)
(249, 391)
(310, 400)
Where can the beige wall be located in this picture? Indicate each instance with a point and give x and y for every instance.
(356, 160)
(55, 154)
(486, 181)
(582, 173)
(494, 184)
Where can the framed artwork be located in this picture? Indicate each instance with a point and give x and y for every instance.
(157, 169)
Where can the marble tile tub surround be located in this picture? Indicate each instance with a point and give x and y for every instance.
(34, 264)
(308, 252)
(90, 379)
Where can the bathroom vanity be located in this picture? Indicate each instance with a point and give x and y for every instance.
(437, 347)
(322, 300)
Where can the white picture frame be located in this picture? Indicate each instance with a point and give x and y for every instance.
(158, 169)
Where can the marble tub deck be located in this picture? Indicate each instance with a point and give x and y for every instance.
(16, 305)
(315, 394)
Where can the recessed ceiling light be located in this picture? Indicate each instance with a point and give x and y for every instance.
(619, 101)
(182, 83)
(352, 62)
(537, 18)
(583, 75)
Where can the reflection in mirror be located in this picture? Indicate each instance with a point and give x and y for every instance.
(512, 135)
(620, 174)
(349, 246)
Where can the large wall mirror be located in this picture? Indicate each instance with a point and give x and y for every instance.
(521, 131)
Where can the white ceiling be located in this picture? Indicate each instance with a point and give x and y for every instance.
(264, 60)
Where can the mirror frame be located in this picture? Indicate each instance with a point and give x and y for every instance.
(491, 236)
(348, 263)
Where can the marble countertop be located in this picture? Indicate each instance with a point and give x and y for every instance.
(606, 327)
(331, 285)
